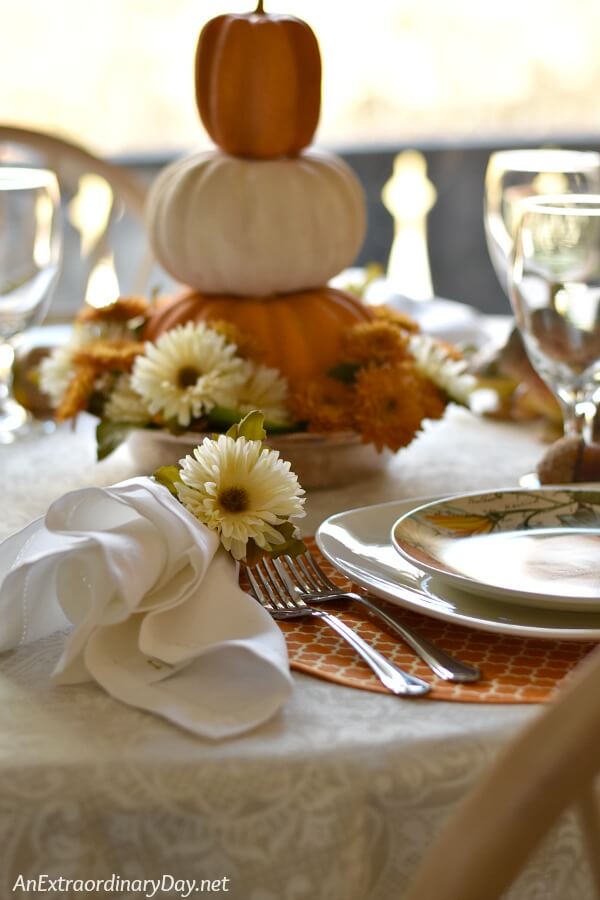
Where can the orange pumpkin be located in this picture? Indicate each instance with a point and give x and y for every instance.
(300, 334)
(258, 83)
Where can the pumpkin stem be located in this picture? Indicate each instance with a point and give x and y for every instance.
(259, 6)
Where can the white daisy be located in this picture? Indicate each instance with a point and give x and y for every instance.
(187, 371)
(267, 390)
(125, 405)
(241, 490)
(434, 361)
(56, 372)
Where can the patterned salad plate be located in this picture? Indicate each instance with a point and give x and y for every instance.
(358, 543)
(540, 547)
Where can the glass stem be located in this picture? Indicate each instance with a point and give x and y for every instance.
(7, 356)
(579, 415)
(12, 416)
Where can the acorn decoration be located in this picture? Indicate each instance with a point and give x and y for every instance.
(570, 460)
(261, 219)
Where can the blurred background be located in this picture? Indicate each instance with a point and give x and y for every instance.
(452, 81)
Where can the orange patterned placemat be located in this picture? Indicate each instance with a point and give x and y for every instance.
(514, 670)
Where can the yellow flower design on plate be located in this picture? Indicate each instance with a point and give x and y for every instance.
(463, 525)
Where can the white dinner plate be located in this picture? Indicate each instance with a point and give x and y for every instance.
(536, 547)
(358, 543)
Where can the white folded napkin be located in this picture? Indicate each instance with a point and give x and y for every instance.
(158, 618)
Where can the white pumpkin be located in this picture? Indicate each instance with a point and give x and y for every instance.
(226, 225)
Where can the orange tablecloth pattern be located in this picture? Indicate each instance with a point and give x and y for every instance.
(514, 670)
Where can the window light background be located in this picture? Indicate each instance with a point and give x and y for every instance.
(116, 75)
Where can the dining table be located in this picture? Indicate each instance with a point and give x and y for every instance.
(338, 796)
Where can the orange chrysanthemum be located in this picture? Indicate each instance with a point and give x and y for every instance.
(122, 310)
(248, 346)
(324, 403)
(391, 403)
(108, 356)
(77, 394)
(400, 320)
(389, 408)
(434, 402)
(374, 342)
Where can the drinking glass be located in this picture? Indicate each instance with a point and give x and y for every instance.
(513, 175)
(30, 252)
(554, 286)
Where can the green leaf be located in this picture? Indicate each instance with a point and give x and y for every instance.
(95, 404)
(221, 418)
(169, 477)
(292, 545)
(345, 372)
(109, 435)
(287, 529)
(251, 427)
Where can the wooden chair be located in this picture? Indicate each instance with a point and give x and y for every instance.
(103, 208)
(550, 767)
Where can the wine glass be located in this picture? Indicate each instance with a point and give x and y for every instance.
(554, 286)
(30, 252)
(513, 175)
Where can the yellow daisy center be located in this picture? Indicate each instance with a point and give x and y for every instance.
(234, 499)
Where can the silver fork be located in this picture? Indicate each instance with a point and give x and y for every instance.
(283, 603)
(305, 579)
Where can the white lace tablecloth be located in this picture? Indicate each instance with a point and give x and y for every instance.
(336, 798)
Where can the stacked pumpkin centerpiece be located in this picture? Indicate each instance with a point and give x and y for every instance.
(255, 229)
